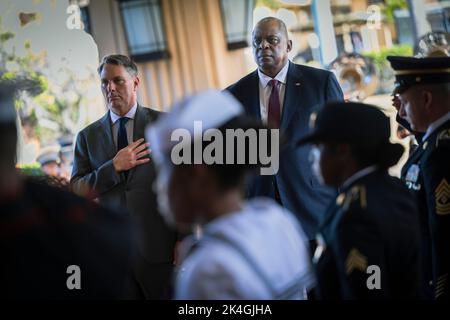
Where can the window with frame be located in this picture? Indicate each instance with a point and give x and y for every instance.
(237, 18)
(144, 29)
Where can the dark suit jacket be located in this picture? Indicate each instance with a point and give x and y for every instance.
(307, 89)
(427, 175)
(374, 221)
(93, 167)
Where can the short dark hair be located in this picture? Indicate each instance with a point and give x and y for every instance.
(119, 60)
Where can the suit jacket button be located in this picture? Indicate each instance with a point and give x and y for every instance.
(430, 283)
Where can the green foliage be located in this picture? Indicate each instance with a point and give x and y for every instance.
(5, 36)
(33, 169)
(272, 4)
(58, 104)
(379, 58)
(382, 66)
(19, 71)
(391, 6)
(34, 84)
(8, 76)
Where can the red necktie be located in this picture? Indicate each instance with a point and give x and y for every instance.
(273, 118)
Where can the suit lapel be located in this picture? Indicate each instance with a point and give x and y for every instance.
(107, 138)
(140, 122)
(251, 99)
(291, 96)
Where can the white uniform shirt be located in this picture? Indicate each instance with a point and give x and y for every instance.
(269, 236)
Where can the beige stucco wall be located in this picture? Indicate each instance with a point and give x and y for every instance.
(198, 59)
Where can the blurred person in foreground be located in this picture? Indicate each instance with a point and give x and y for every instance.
(251, 249)
(46, 233)
(51, 169)
(423, 88)
(368, 244)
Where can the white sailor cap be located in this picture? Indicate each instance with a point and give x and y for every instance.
(48, 154)
(212, 108)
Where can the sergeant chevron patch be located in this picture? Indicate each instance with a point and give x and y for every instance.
(442, 195)
(441, 285)
(355, 260)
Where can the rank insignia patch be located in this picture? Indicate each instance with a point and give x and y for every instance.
(442, 196)
(355, 260)
(356, 193)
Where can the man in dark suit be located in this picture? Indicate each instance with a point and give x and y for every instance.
(423, 86)
(112, 164)
(284, 95)
(368, 244)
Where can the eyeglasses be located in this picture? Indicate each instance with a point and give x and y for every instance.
(272, 40)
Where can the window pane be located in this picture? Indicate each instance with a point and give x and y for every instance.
(237, 19)
(143, 26)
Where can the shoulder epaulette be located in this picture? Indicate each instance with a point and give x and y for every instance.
(355, 194)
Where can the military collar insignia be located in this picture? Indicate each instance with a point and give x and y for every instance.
(441, 285)
(442, 196)
(412, 177)
(355, 260)
(357, 192)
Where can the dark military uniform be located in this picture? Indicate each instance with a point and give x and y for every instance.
(53, 244)
(44, 230)
(368, 242)
(372, 222)
(427, 174)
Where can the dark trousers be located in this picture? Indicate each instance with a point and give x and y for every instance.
(151, 282)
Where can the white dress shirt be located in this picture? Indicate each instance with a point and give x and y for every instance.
(436, 125)
(265, 89)
(128, 126)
